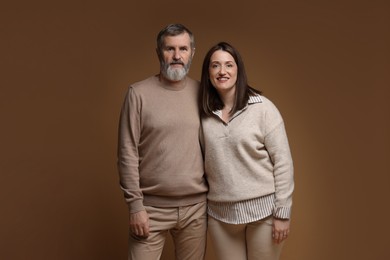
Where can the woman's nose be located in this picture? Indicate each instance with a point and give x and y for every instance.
(222, 70)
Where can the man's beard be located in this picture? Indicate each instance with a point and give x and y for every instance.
(175, 74)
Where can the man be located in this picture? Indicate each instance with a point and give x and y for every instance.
(159, 156)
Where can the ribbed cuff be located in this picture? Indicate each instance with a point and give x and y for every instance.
(282, 212)
(136, 206)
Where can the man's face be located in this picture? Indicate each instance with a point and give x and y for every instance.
(176, 57)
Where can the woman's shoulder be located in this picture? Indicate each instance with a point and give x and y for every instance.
(266, 105)
(261, 99)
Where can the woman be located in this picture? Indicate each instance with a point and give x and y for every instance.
(247, 161)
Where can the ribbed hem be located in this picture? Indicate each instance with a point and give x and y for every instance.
(179, 201)
(243, 211)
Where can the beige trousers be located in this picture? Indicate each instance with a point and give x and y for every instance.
(187, 226)
(252, 241)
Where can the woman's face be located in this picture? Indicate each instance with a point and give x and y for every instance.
(223, 71)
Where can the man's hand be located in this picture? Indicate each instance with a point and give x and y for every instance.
(139, 223)
(280, 229)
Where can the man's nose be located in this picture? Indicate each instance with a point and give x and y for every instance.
(176, 55)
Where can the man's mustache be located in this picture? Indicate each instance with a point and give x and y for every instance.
(176, 62)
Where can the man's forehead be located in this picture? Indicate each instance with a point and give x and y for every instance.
(178, 40)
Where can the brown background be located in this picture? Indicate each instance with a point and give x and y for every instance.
(64, 71)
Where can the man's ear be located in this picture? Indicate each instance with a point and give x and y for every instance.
(193, 53)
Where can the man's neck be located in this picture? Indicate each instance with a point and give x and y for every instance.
(173, 84)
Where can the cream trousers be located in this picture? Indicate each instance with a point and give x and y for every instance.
(187, 225)
(252, 241)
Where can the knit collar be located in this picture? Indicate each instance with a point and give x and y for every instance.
(253, 99)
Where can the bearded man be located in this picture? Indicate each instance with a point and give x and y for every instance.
(160, 161)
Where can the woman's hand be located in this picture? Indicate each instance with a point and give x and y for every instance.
(280, 229)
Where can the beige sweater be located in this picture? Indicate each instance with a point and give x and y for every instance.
(159, 155)
(249, 157)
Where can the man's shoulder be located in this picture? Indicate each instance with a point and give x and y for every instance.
(147, 82)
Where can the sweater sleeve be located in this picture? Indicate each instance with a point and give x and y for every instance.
(128, 158)
(276, 143)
